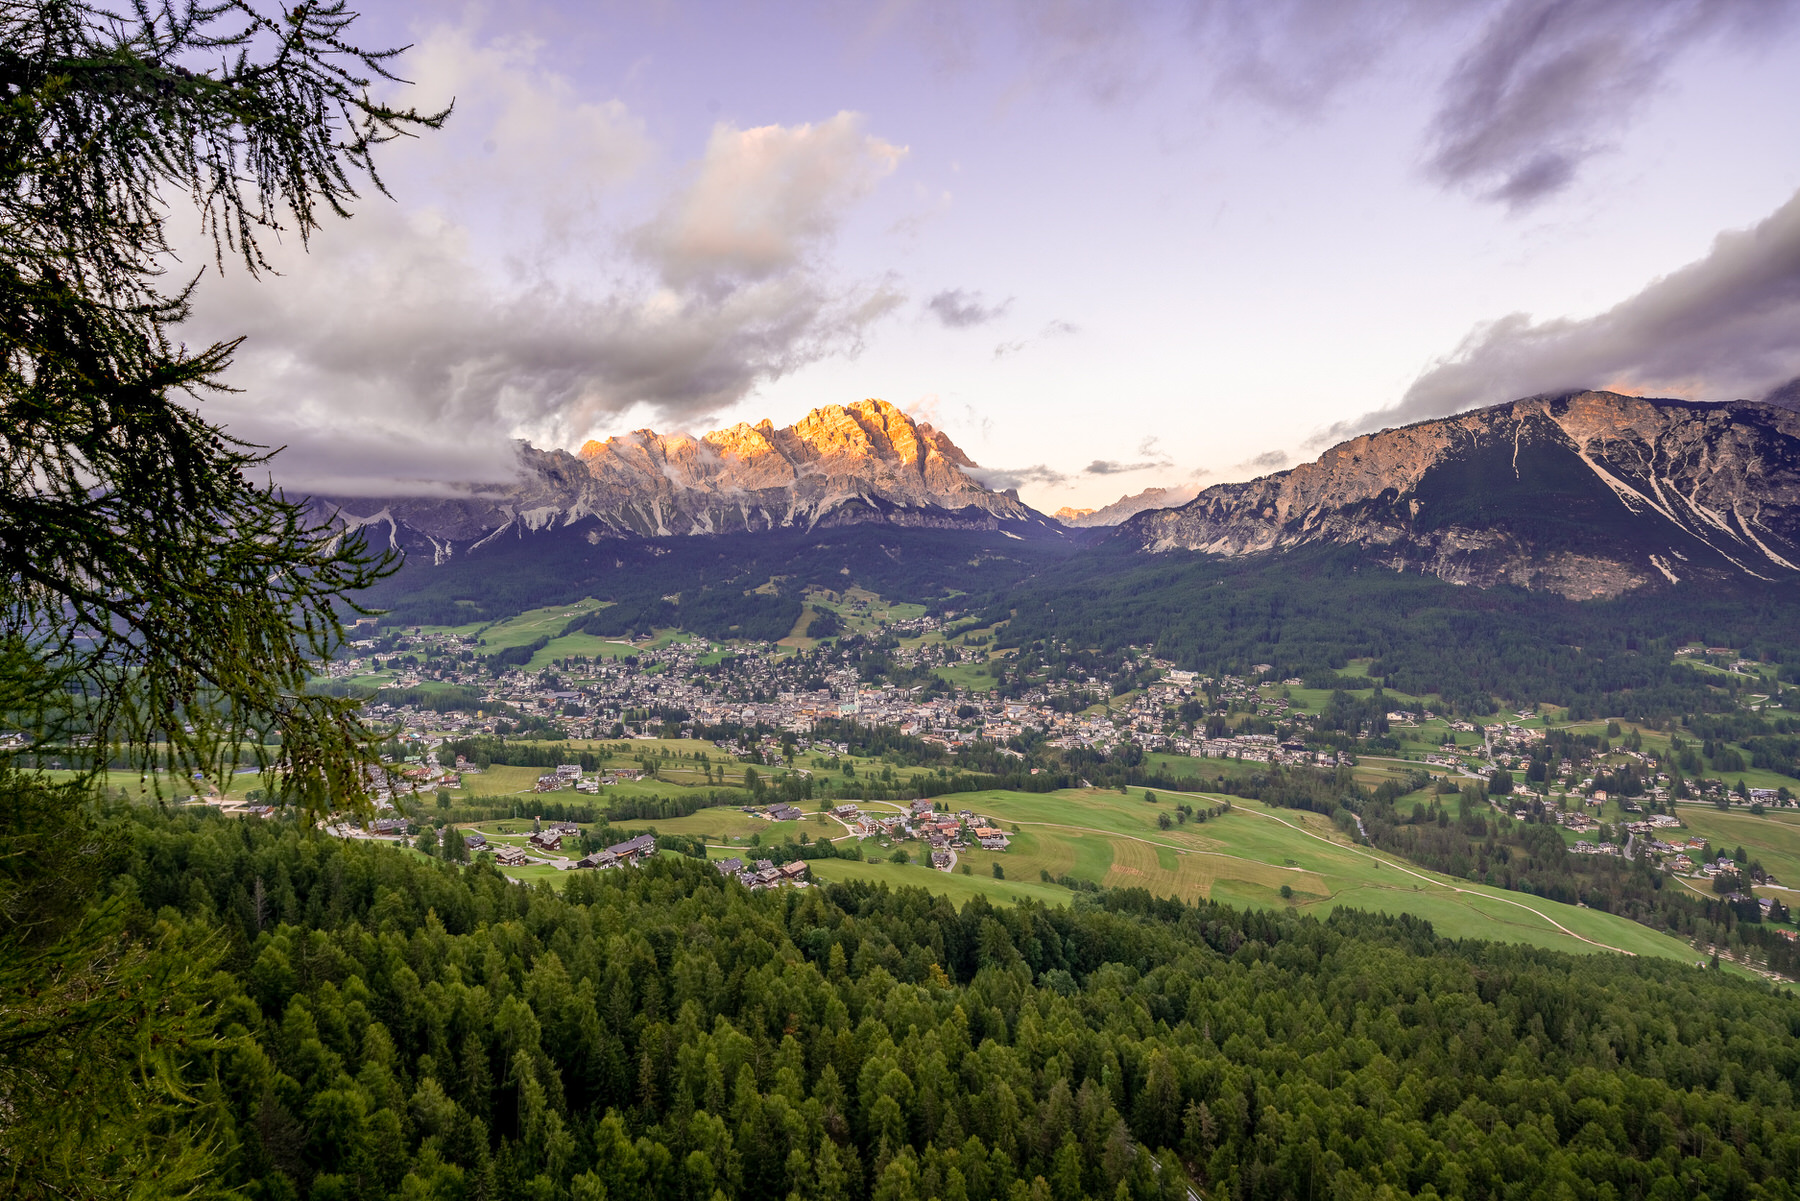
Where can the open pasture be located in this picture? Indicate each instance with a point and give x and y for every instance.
(1245, 858)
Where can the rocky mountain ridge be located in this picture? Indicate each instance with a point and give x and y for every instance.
(1587, 494)
(1127, 507)
(840, 464)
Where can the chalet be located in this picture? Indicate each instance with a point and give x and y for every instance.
(546, 840)
(566, 829)
(390, 827)
(475, 840)
(941, 860)
(785, 813)
(511, 856)
(920, 808)
(569, 771)
(846, 813)
(794, 871)
(548, 784)
(634, 849)
(730, 867)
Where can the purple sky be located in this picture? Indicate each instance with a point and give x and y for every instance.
(1104, 246)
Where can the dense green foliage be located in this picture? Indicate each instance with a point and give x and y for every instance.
(715, 578)
(1306, 612)
(1465, 838)
(1310, 613)
(1461, 835)
(162, 603)
(391, 1026)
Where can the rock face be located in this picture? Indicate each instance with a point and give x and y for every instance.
(1127, 507)
(1588, 495)
(841, 464)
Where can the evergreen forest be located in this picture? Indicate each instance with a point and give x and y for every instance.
(383, 1025)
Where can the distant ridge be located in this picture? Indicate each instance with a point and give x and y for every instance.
(1588, 494)
(1128, 506)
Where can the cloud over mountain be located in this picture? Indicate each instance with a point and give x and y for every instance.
(1723, 327)
(406, 350)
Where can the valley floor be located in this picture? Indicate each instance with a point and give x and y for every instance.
(1244, 857)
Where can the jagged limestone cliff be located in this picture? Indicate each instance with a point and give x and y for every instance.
(840, 464)
(1587, 495)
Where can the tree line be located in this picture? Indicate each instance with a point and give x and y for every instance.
(388, 1026)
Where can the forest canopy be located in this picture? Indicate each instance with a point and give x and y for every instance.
(393, 1026)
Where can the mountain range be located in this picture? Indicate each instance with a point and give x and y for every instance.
(838, 465)
(1126, 507)
(1586, 495)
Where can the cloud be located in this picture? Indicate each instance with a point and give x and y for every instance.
(413, 345)
(1002, 478)
(1054, 329)
(1114, 467)
(958, 309)
(1296, 55)
(1542, 87)
(1722, 327)
(761, 199)
(1786, 396)
(522, 142)
(397, 339)
(1268, 460)
(1550, 81)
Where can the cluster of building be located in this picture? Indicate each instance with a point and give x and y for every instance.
(943, 832)
(763, 873)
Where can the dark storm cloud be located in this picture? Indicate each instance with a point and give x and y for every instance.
(1724, 327)
(958, 309)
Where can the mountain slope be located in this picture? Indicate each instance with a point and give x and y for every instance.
(1127, 507)
(1587, 495)
(840, 465)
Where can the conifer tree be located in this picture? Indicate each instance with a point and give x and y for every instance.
(160, 604)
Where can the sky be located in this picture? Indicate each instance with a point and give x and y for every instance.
(1104, 246)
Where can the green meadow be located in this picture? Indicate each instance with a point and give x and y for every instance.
(1243, 858)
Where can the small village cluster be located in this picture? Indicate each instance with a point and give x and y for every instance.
(941, 831)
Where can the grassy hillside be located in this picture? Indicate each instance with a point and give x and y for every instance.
(1243, 858)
